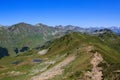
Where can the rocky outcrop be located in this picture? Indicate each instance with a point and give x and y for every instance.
(96, 73)
(42, 52)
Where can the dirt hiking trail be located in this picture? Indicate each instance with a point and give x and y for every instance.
(96, 73)
(56, 70)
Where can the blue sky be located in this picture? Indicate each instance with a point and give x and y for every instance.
(84, 13)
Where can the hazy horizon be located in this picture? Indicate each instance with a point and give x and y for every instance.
(83, 13)
(59, 25)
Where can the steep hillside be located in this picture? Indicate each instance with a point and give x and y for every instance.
(74, 56)
(85, 46)
(22, 36)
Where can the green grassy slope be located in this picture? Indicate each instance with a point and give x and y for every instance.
(24, 35)
(82, 45)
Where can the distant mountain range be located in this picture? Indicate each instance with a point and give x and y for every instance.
(42, 52)
(23, 36)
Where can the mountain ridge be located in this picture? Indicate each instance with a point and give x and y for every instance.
(26, 36)
(32, 65)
